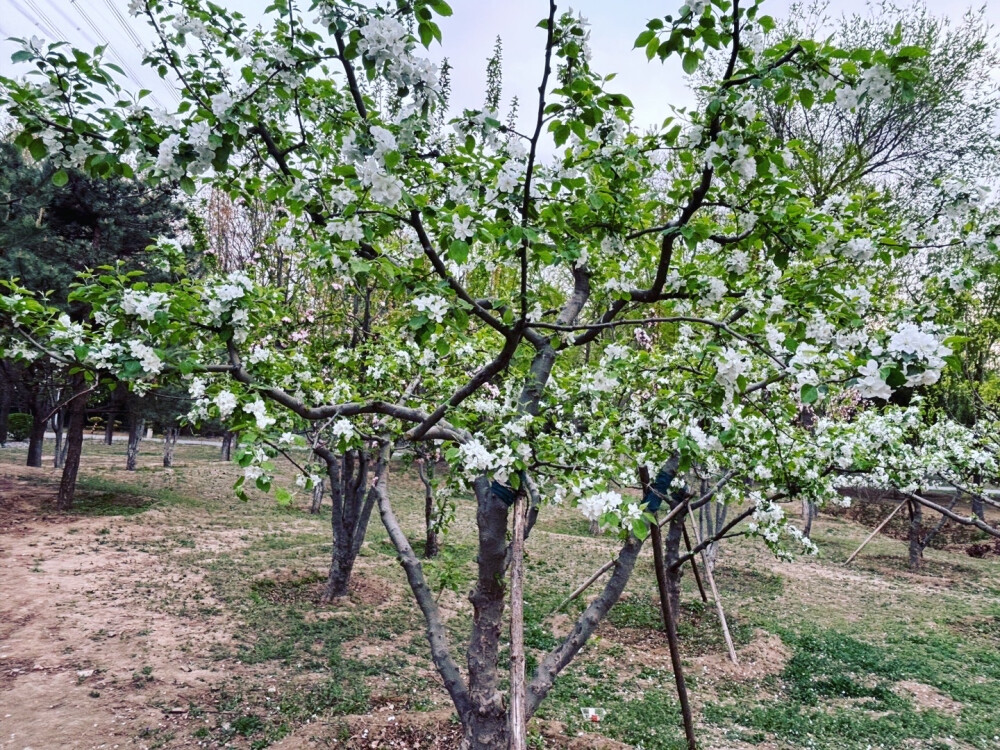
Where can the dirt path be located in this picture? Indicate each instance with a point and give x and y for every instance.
(83, 662)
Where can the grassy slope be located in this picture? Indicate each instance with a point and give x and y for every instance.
(870, 656)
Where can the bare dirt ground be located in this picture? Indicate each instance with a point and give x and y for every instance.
(130, 630)
(84, 663)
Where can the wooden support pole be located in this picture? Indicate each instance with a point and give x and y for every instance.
(668, 622)
(877, 530)
(517, 713)
(715, 595)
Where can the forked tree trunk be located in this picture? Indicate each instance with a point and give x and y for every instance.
(317, 502)
(135, 427)
(352, 500)
(169, 443)
(425, 468)
(76, 423)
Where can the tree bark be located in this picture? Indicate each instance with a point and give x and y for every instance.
(135, 425)
(978, 508)
(808, 516)
(36, 438)
(77, 422)
(518, 719)
(352, 502)
(114, 407)
(916, 549)
(317, 501)
(58, 427)
(169, 443)
(228, 440)
(671, 554)
(425, 468)
(5, 401)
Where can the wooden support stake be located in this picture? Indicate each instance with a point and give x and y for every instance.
(715, 595)
(694, 564)
(877, 530)
(668, 622)
(517, 713)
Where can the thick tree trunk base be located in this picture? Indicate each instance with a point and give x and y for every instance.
(488, 732)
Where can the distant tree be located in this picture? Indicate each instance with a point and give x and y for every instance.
(52, 229)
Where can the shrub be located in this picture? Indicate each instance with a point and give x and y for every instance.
(19, 427)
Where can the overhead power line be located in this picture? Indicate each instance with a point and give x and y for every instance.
(104, 40)
(54, 4)
(50, 32)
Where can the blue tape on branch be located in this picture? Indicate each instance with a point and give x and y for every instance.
(658, 490)
(503, 493)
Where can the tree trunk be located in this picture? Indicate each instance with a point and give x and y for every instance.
(352, 501)
(978, 508)
(114, 407)
(77, 421)
(36, 438)
(228, 439)
(5, 400)
(916, 548)
(425, 468)
(135, 425)
(711, 517)
(169, 443)
(808, 516)
(58, 426)
(317, 504)
(671, 554)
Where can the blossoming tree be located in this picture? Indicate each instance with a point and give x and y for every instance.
(659, 300)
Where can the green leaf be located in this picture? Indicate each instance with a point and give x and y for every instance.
(440, 7)
(60, 178)
(644, 38)
(912, 52)
(807, 97)
(37, 149)
(426, 34)
(188, 186)
(458, 251)
(810, 394)
(21, 56)
(690, 62)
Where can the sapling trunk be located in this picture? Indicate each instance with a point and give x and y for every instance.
(135, 428)
(317, 497)
(77, 422)
(169, 443)
(36, 437)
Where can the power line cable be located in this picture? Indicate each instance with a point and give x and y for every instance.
(47, 32)
(136, 78)
(73, 24)
(129, 31)
(56, 31)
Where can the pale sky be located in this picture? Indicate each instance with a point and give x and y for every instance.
(468, 41)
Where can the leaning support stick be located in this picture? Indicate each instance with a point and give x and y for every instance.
(715, 595)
